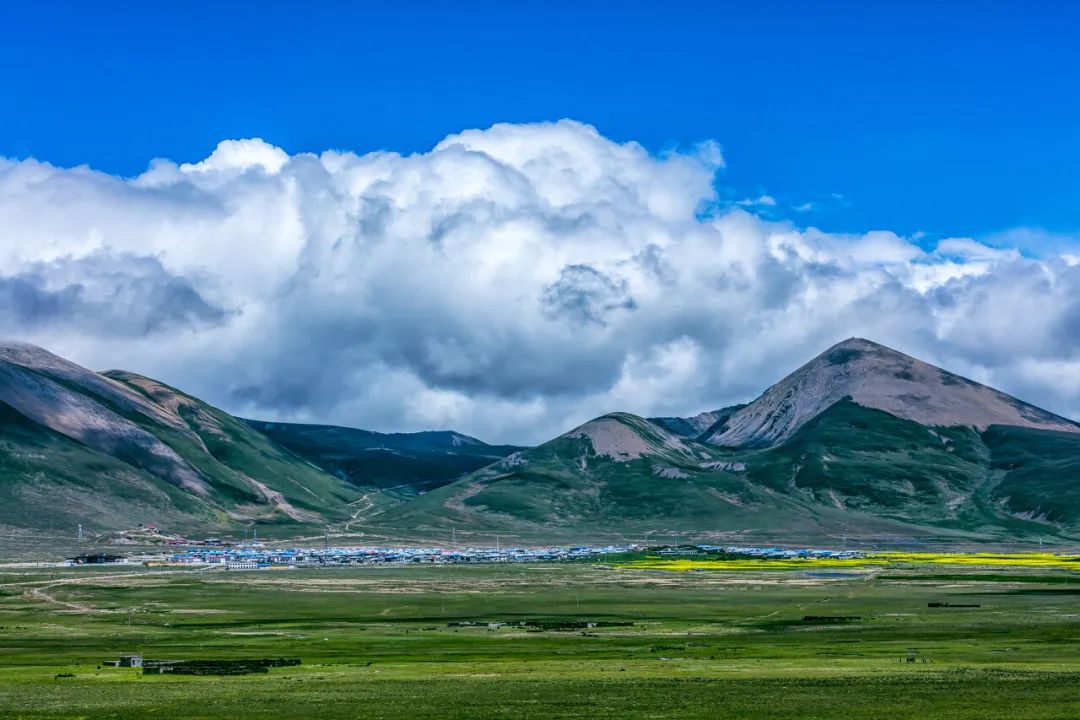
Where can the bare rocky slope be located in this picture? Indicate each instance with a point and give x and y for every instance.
(881, 378)
(696, 425)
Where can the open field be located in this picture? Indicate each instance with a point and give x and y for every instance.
(814, 642)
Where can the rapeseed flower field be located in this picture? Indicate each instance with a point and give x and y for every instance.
(1041, 560)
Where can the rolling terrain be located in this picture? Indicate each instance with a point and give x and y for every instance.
(407, 462)
(115, 450)
(863, 441)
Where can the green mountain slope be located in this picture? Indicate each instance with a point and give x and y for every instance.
(113, 450)
(1002, 482)
(406, 462)
(1040, 473)
(847, 470)
(619, 475)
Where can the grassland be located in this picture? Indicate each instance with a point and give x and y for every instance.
(808, 642)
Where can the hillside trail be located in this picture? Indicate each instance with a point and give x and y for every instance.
(361, 513)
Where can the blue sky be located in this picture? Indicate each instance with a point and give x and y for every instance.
(957, 120)
(532, 250)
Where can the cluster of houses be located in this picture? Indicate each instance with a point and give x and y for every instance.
(783, 553)
(257, 557)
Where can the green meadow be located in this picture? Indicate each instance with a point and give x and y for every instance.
(447, 642)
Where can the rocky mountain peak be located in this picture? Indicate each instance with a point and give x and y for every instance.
(878, 377)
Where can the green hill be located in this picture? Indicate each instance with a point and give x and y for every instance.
(619, 476)
(113, 450)
(405, 462)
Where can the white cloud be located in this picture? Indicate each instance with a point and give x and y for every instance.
(510, 283)
(760, 201)
(240, 155)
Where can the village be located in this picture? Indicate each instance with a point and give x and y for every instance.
(255, 556)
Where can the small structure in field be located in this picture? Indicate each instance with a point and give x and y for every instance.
(129, 661)
(96, 559)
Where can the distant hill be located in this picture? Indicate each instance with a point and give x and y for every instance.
(407, 462)
(861, 441)
(697, 425)
(115, 449)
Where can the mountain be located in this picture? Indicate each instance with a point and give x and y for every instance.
(406, 462)
(614, 471)
(695, 426)
(115, 449)
(861, 441)
(878, 377)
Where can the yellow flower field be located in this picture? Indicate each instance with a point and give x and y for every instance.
(976, 559)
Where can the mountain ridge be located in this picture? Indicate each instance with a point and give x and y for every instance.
(861, 438)
(842, 466)
(407, 462)
(881, 378)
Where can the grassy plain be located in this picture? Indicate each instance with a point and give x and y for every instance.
(814, 642)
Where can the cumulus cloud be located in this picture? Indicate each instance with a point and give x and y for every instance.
(510, 283)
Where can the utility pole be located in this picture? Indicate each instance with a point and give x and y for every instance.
(497, 542)
(80, 533)
(326, 538)
(675, 540)
(453, 534)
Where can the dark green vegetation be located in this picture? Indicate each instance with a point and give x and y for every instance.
(1005, 481)
(379, 643)
(406, 462)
